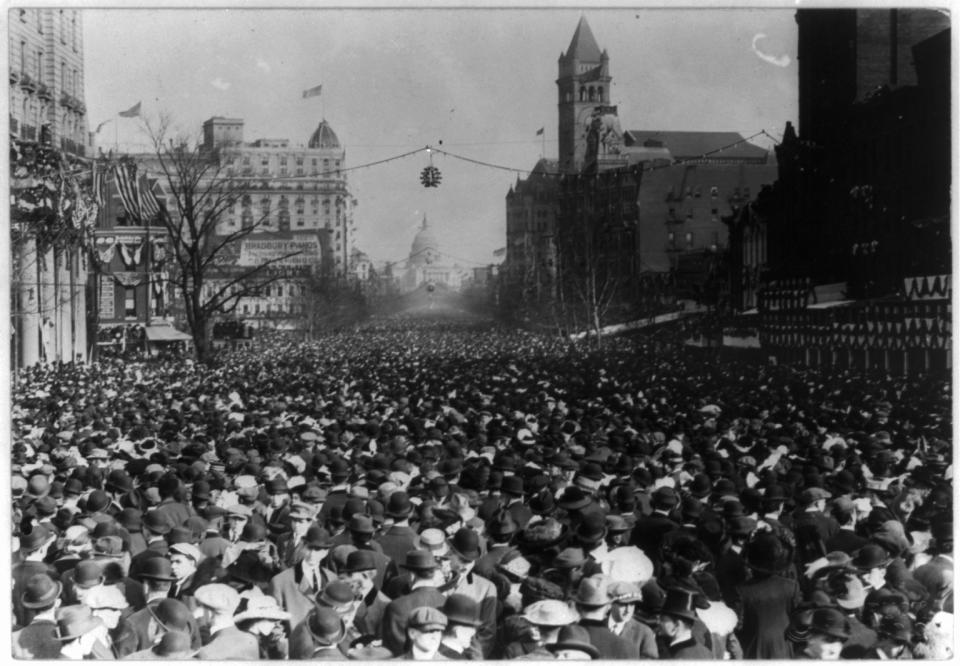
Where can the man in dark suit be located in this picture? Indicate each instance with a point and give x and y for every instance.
(766, 602)
(227, 641)
(361, 573)
(185, 558)
(296, 587)
(424, 591)
(649, 532)
(400, 538)
(676, 622)
(39, 596)
(34, 547)
(593, 603)
(812, 517)
(278, 512)
(155, 529)
(160, 616)
(512, 491)
(171, 510)
(846, 540)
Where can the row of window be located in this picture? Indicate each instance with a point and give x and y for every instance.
(291, 309)
(69, 77)
(265, 161)
(68, 24)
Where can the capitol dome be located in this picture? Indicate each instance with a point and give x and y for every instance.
(425, 248)
(324, 137)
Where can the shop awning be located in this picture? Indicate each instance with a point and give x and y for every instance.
(166, 334)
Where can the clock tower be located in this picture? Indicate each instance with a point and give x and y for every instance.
(583, 88)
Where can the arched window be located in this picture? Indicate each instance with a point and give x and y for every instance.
(592, 92)
(583, 94)
(600, 93)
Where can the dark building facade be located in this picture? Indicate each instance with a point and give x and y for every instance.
(647, 204)
(861, 205)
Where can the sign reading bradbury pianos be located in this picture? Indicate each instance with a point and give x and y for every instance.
(282, 252)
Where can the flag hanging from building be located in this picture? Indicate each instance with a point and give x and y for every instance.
(312, 92)
(149, 201)
(540, 132)
(126, 179)
(97, 184)
(132, 112)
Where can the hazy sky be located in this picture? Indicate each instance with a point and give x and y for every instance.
(482, 81)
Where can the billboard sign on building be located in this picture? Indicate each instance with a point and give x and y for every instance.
(282, 252)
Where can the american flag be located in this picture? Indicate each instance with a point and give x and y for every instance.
(98, 184)
(128, 188)
(151, 206)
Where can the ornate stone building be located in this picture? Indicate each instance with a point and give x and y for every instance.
(48, 132)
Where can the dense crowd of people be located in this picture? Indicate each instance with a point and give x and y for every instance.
(430, 489)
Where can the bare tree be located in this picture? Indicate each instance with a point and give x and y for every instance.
(595, 242)
(200, 190)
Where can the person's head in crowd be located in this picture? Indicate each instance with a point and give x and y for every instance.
(301, 517)
(108, 603)
(78, 631)
(263, 617)
(463, 621)
(317, 545)
(895, 633)
(35, 544)
(678, 615)
(217, 603)
(546, 617)
(871, 561)
(278, 492)
(664, 500)
(88, 576)
(625, 597)
(41, 597)
(774, 497)
(201, 495)
(618, 531)
(814, 499)
(360, 572)
(464, 550)
(425, 628)
(340, 596)
(827, 631)
(573, 643)
(424, 569)
(592, 599)
(184, 560)
(845, 513)
(76, 542)
(361, 530)
(156, 578)
(238, 516)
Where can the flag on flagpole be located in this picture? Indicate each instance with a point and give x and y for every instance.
(132, 112)
(100, 126)
(540, 132)
(499, 252)
(312, 92)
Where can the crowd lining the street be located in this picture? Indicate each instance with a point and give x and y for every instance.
(430, 489)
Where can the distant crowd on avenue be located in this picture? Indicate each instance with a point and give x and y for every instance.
(424, 489)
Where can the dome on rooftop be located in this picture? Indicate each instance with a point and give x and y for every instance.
(324, 137)
(425, 249)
